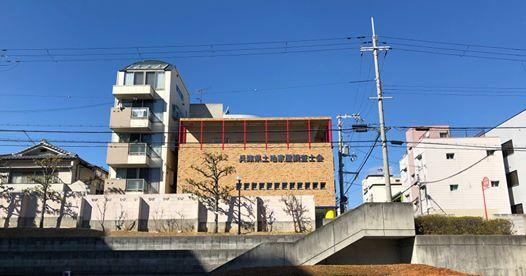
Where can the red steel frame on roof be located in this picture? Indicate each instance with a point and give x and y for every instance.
(287, 124)
(223, 134)
(245, 134)
(201, 134)
(308, 131)
(266, 134)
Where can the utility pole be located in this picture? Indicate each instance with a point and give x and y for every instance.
(375, 48)
(341, 154)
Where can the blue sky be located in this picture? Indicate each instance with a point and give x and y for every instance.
(60, 24)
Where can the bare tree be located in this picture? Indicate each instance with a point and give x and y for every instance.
(295, 208)
(102, 212)
(268, 216)
(208, 188)
(45, 177)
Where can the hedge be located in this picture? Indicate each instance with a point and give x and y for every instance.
(444, 225)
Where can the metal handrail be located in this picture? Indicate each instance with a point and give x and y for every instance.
(144, 151)
(136, 185)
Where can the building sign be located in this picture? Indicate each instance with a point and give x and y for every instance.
(280, 158)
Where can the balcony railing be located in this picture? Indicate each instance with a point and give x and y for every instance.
(140, 113)
(136, 185)
(139, 149)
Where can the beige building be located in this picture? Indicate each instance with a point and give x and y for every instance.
(272, 156)
(373, 188)
(150, 97)
(444, 175)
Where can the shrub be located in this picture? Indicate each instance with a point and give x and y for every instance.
(444, 225)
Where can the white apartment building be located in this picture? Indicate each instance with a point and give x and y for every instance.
(513, 135)
(446, 175)
(150, 97)
(373, 188)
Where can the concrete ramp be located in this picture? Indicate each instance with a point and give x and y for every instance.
(368, 221)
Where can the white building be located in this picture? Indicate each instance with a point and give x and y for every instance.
(150, 97)
(447, 174)
(513, 135)
(373, 188)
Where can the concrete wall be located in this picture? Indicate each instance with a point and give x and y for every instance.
(125, 255)
(17, 210)
(483, 255)
(369, 220)
(185, 213)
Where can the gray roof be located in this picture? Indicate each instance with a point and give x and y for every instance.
(62, 153)
(150, 65)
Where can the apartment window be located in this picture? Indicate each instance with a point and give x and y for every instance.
(494, 183)
(276, 186)
(254, 186)
(453, 187)
(138, 78)
(180, 93)
(443, 134)
(128, 78)
(315, 185)
(269, 186)
(307, 185)
(300, 186)
(517, 209)
(512, 178)
(322, 185)
(261, 186)
(450, 156)
(159, 84)
(507, 148)
(246, 186)
(292, 186)
(284, 185)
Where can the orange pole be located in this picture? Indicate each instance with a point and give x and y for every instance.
(484, 198)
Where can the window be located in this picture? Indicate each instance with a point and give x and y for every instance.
(517, 209)
(322, 185)
(180, 93)
(246, 186)
(30, 177)
(284, 185)
(261, 186)
(276, 186)
(507, 148)
(254, 186)
(300, 186)
(315, 185)
(453, 187)
(494, 183)
(269, 186)
(128, 78)
(159, 84)
(307, 185)
(138, 78)
(292, 185)
(443, 134)
(150, 78)
(512, 178)
(450, 155)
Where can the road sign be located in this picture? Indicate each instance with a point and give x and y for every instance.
(485, 183)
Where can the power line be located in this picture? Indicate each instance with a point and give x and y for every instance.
(186, 45)
(53, 109)
(454, 43)
(364, 162)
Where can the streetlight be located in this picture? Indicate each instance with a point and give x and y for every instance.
(238, 205)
